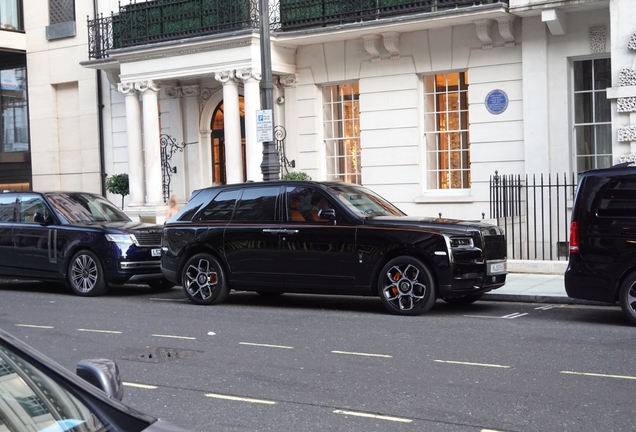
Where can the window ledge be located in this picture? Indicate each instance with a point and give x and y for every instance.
(446, 198)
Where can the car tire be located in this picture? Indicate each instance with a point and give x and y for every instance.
(204, 280)
(464, 300)
(406, 286)
(160, 285)
(627, 298)
(85, 275)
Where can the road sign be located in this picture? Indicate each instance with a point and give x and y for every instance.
(264, 126)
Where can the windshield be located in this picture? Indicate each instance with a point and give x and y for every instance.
(82, 208)
(30, 400)
(364, 202)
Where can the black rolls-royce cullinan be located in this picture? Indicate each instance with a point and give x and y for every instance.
(79, 238)
(327, 238)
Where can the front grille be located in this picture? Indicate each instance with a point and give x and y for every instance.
(495, 247)
(148, 239)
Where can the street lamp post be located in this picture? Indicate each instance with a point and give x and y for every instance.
(270, 167)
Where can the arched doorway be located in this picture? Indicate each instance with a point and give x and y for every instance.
(218, 142)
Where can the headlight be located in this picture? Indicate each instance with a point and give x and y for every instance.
(461, 242)
(120, 238)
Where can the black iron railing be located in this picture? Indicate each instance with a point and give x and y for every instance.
(169, 146)
(164, 20)
(535, 214)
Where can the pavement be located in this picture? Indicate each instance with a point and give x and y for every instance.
(534, 288)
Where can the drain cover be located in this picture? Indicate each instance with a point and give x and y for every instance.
(159, 355)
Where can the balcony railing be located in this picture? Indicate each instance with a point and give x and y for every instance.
(164, 20)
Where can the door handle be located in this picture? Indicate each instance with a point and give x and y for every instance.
(289, 231)
(271, 231)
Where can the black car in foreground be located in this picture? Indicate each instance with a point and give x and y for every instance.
(79, 238)
(37, 394)
(602, 263)
(327, 238)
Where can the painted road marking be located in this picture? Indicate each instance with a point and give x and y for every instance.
(143, 386)
(240, 399)
(599, 375)
(375, 416)
(173, 337)
(510, 316)
(362, 354)
(266, 345)
(472, 364)
(99, 331)
(34, 326)
(547, 307)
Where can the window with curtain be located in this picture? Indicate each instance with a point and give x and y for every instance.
(446, 126)
(341, 117)
(13, 99)
(11, 15)
(592, 114)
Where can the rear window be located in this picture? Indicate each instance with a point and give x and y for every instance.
(618, 199)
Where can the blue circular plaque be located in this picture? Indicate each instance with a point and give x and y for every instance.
(496, 101)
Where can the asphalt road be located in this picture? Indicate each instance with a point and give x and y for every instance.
(314, 363)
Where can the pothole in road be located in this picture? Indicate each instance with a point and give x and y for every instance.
(159, 355)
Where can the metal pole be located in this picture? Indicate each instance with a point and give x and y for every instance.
(270, 167)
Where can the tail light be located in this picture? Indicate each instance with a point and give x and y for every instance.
(574, 237)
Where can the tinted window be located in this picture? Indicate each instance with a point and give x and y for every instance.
(257, 204)
(29, 206)
(303, 204)
(220, 208)
(7, 208)
(619, 199)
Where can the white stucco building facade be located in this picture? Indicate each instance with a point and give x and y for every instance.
(422, 106)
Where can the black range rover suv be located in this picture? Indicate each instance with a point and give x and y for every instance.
(79, 238)
(326, 238)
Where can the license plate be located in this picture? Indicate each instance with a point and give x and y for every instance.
(155, 252)
(497, 268)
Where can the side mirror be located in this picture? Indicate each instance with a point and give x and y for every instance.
(103, 374)
(329, 214)
(43, 218)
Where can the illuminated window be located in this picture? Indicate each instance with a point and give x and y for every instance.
(446, 124)
(341, 113)
(592, 114)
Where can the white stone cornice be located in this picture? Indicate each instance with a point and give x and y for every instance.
(173, 92)
(484, 29)
(191, 90)
(126, 87)
(247, 74)
(224, 77)
(288, 80)
(507, 29)
(392, 44)
(372, 45)
(143, 86)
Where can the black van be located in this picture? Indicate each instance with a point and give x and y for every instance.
(602, 264)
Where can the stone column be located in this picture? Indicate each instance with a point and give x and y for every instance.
(194, 159)
(135, 149)
(252, 96)
(152, 144)
(232, 127)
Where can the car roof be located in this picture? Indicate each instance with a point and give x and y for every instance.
(625, 168)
